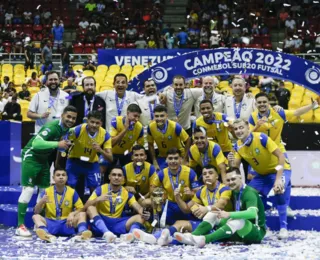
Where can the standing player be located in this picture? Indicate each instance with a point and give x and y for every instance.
(59, 201)
(105, 210)
(138, 175)
(204, 153)
(246, 224)
(269, 164)
(89, 139)
(216, 124)
(35, 167)
(166, 134)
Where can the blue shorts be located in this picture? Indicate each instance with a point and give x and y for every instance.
(59, 227)
(91, 171)
(174, 213)
(162, 162)
(116, 225)
(195, 224)
(264, 183)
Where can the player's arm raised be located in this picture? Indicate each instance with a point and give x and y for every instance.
(302, 110)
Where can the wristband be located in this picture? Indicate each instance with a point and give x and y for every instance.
(279, 167)
(209, 208)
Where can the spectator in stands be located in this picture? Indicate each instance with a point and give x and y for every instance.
(225, 21)
(193, 18)
(283, 15)
(182, 38)
(90, 7)
(1, 104)
(82, 3)
(79, 78)
(95, 24)
(297, 45)
(8, 17)
(214, 40)
(37, 18)
(46, 17)
(317, 43)
(27, 17)
(57, 31)
(84, 24)
(265, 84)
(46, 56)
(213, 24)
(5, 83)
(34, 81)
(108, 42)
(141, 43)
(91, 34)
(169, 39)
(71, 87)
(205, 17)
(5, 98)
(17, 17)
(65, 56)
(223, 7)
(17, 43)
(70, 73)
(89, 64)
(100, 7)
(290, 25)
(245, 38)
(152, 43)
(29, 55)
(12, 110)
(255, 27)
(204, 34)
(24, 94)
(131, 34)
(264, 29)
(194, 31)
(288, 44)
(225, 38)
(235, 34)
(193, 42)
(253, 81)
(10, 89)
(283, 95)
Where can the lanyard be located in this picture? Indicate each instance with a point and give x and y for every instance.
(113, 205)
(52, 100)
(151, 108)
(87, 108)
(164, 130)
(238, 199)
(237, 109)
(174, 185)
(248, 140)
(177, 107)
(120, 106)
(58, 204)
(205, 157)
(211, 202)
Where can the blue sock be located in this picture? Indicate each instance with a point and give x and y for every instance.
(282, 210)
(44, 228)
(172, 230)
(82, 227)
(157, 234)
(287, 194)
(100, 225)
(136, 225)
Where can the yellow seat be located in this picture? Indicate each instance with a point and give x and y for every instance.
(126, 67)
(288, 85)
(64, 83)
(24, 111)
(316, 115)
(305, 101)
(115, 68)
(223, 84)
(77, 67)
(29, 72)
(19, 80)
(88, 73)
(138, 67)
(138, 70)
(33, 90)
(307, 118)
(296, 96)
(103, 88)
(102, 68)
(7, 67)
(294, 103)
(310, 94)
(298, 89)
(100, 73)
(18, 67)
(18, 89)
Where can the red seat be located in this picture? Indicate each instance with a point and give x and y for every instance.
(236, 45)
(204, 46)
(8, 27)
(267, 46)
(271, 22)
(88, 48)
(78, 48)
(27, 29)
(7, 47)
(100, 38)
(256, 46)
(257, 39)
(131, 46)
(266, 39)
(120, 46)
(113, 36)
(98, 46)
(66, 21)
(37, 28)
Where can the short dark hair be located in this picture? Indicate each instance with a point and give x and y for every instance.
(138, 147)
(120, 75)
(95, 114)
(59, 169)
(6, 77)
(150, 79)
(88, 77)
(199, 129)
(261, 94)
(234, 169)
(174, 150)
(179, 77)
(160, 108)
(50, 73)
(116, 167)
(209, 167)
(206, 101)
(69, 109)
(134, 108)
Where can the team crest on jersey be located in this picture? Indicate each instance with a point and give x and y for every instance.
(244, 106)
(169, 137)
(143, 178)
(44, 133)
(257, 151)
(119, 200)
(66, 203)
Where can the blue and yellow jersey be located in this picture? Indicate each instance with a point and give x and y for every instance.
(70, 202)
(214, 156)
(83, 142)
(272, 128)
(174, 136)
(129, 139)
(217, 130)
(119, 200)
(186, 177)
(257, 151)
(141, 180)
(203, 196)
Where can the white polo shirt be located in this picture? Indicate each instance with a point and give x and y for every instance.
(217, 100)
(109, 96)
(190, 97)
(40, 104)
(247, 107)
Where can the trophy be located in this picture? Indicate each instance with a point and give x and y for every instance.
(158, 199)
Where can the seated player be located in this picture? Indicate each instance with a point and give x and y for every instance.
(58, 201)
(269, 165)
(175, 177)
(216, 124)
(203, 153)
(89, 139)
(166, 134)
(138, 174)
(105, 209)
(246, 224)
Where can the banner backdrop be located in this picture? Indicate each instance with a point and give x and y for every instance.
(232, 61)
(137, 56)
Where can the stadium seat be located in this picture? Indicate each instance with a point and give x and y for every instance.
(27, 29)
(19, 80)
(24, 103)
(310, 94)
(126, 67)
(307, 118)
(113, 36)
(100, 38)
(267, 46)
(138, 68)
(120, 46)
(77, 67)
(33, 90)
(78, 48)
(294, 103)
(130, 46)
(288, 85)
(37, 28)
(204, 46)
(256, 46)
(18, 89)
(7, 68)
(88, 48)
(316, 115)
(88, 73)
(98, 46)
(236, 45)
(29, 72)
(298, 89)
(114, 68)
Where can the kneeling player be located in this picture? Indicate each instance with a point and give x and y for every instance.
(105, 209)
(58, 201)
(246, 224)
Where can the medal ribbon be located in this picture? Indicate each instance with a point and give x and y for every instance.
(211, 202)
(58, 204)
(177, 107)
(113, 205)
(237, 109)
(120, 106)
(174, 186)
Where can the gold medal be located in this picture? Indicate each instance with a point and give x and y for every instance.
(63, 154)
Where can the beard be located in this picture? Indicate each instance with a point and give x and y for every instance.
(53, 87)
(90, 95)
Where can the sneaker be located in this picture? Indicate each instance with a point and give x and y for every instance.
(144, 237)
(23, 231)
(164, 239)
(109, 237)
(184, 238)
(85, 235)
(42, 234)
(128, 238)
(290, 213)
(283, 234)
(199, 241)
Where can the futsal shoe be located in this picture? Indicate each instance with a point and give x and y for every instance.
(183, 238)
(144, 237)
(165, 238)
(109, 237)
(42, 234)
(23, 231)
(128, 238)
(283, 234)
(290, 213)
(199, 241)
(85, 235)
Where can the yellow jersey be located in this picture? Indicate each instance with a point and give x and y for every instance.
(61, 205)
(133, 134)
(173, 135)
(272, 128)
(139, 180)
(185, 176)
(257, 151)
(82, 142)
(217, 130)
(113, 207)
(206, 197)
(213, 156)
